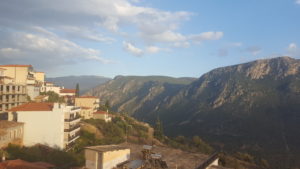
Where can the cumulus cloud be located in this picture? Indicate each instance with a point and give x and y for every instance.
(293, 50)
(132, 49)
(97, 21)
(45, 50)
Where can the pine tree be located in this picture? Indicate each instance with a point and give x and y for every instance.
(158, 130)
(77, 90)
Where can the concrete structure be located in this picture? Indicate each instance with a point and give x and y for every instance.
(105, 157)
(86, 112)
(48, 86)
(11, 132)
(55, 125)
(33, 91)
(88, 104)
(104, 115)
(39, 76)
(11, 94)
(41, 98)
(67, 92)
(210, 163)
(21, 74)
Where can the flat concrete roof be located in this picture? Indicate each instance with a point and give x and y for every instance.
(105, 148)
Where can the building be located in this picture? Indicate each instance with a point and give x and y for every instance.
(86, 112)
(39, 76)
(11, 94)
(52, 124)
(68, 95)
(41, 98)
(11, 132)
(105, 157)
(48, 86)
(89, 104)
(104, 115)
(21, 74)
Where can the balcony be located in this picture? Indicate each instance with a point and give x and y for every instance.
(73, 119)
(72, 128)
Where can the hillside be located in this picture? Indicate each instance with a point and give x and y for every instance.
(251, 107)
(133, 94)
(85, 82)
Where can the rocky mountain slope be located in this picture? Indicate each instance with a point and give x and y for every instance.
(133, 94)
(253, 107)
(85, 82)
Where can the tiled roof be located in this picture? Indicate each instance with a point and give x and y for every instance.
(100, 112)
(33, 107)
(68, 91)
(20, 164)
(15, 65)
(2, 68)
(88, 97)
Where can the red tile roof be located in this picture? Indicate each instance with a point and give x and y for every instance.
(100, 112)
(68, 91)
(33, 107)
(86, 107)
(15, 65)
(20, 164)
(88, 97)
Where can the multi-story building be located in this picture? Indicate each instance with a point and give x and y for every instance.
(52, 124)
(86, 112)
(11, 94)
(10, 132)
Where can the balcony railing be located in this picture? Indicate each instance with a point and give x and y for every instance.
(72, 128)
(72, 119)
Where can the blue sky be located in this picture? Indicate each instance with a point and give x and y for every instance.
(139, 37)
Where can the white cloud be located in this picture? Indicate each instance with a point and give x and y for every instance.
(98, 21)
(293, 50)
(207, 36)
(297, 1)
(254, 50)
(132, 49)
(155, 49)
(45, 50)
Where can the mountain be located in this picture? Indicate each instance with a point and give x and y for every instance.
(85, 82)
(133, 94)
(252, 107)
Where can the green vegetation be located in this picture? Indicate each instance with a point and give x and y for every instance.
(53, 97)
(77, 90)
(59, 158)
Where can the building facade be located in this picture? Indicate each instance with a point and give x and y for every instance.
(55, 125)
(11, 132)
(103, 115)
(90, 102)
(105, 157)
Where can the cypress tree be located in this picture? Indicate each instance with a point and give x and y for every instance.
(77, 90)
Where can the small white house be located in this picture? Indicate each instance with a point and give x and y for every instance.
(55, 125)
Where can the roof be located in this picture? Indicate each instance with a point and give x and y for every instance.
(86, 108)
(15, 65)
(100, 112)
(33, 107)
(20, 164)
(68, 91)
(105, 148)
(87, 97)
(2, 68)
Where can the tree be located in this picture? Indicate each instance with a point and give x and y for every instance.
(107, 105)
(77, 90)
(158, 130)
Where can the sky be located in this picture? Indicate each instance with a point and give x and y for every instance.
(139, 37)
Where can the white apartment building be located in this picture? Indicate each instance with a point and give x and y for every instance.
(55, 125)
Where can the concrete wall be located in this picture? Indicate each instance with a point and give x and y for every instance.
(12, 135)
(104, 117)
(45, 127)
(112, 158)
(86, 113)
(18, 73)
(39, 76)
(87, 102)
(33, 91)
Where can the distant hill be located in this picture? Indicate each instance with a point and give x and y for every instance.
(252, 107)
(85, 82)
(134, 93)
